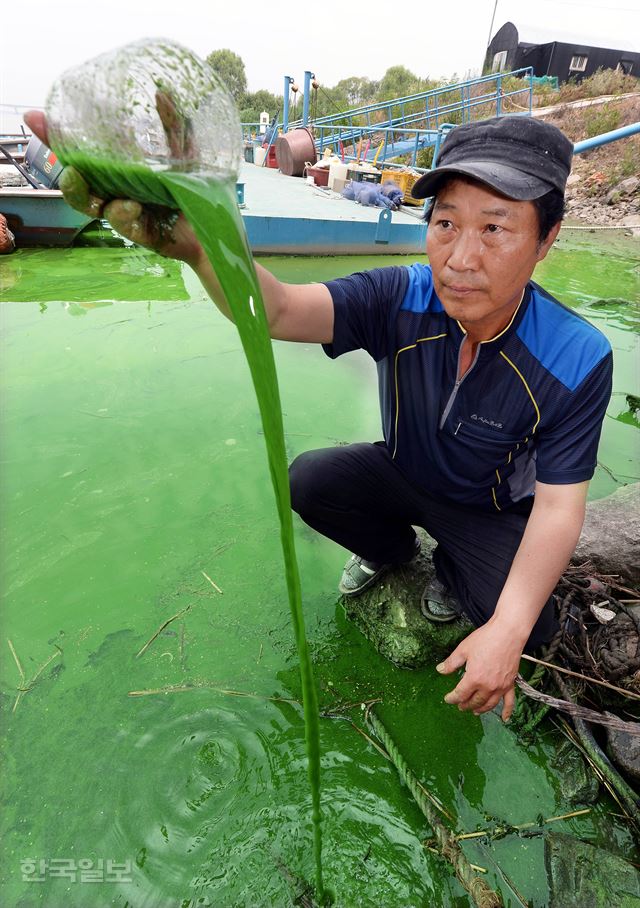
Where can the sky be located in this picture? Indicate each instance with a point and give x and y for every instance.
(275, 38)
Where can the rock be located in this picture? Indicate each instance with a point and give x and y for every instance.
(613, 197)
(583, 876)
(632, 221)
(389, 616)
(573, 178)
(610, 536)
(624, 750)
(578, 783)
(628, 186)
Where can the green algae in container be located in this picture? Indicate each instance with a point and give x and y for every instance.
(151, 122)
(128, 116)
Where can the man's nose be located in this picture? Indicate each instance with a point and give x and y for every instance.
(465, 252)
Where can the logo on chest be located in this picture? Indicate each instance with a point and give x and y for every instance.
(487, 422)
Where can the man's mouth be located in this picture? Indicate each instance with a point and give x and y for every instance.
(460, 290)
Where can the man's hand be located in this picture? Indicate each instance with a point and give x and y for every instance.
(156, 228)
(295, 312)
(492, 657)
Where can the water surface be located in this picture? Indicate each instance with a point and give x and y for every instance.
(132, 461)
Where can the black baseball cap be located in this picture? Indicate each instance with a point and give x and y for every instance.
(520, 157)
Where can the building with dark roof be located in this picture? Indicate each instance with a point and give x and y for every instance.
(563, 59)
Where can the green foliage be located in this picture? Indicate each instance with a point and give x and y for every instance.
(326, 101)
(253, 103)
(424, 158)
(628, 162)
(230, 68)
(602, 82)
(358, 90)
(397, 82)
(601, 119)
(517, 94)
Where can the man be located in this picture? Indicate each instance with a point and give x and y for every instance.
(492, 396)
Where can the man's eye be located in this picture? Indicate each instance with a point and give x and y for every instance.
(443, 222)
(494, 228)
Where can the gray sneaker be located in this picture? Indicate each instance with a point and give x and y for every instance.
(437, 603)
(358, 574)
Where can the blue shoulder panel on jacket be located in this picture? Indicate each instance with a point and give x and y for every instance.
(566, 344)
(420, 295)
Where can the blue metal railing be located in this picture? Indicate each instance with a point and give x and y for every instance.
(395, 108)
(249, 130)
(487, 95)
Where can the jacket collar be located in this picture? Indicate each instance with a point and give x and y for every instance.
(493, 344)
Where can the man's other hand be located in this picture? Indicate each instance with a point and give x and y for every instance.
(492, 659)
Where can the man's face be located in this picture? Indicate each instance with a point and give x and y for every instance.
(482, 249)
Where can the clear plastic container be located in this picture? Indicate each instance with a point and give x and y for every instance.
(127, 116)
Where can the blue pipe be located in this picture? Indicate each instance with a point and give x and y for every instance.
(308, 76)
(285, 111)
(606, 137)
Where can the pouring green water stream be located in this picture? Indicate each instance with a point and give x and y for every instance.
(210, 206)
(213, 212)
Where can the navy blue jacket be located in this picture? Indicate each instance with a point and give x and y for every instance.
(530, 407)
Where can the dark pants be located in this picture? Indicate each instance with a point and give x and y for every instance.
(357, 496)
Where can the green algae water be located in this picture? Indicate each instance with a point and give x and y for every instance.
(132, 458)
(212, 210)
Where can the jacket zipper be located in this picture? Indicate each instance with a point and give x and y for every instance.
(457, 384)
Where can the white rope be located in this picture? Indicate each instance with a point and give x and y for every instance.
(603, 227)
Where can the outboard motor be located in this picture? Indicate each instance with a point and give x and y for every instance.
(42, 163)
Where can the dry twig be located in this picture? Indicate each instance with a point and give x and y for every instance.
(480, 833)
(161, 628)
(182, 688)
(587, 678)
(214, 585)
(25, 686)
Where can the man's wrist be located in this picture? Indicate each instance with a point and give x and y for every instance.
(514, 627)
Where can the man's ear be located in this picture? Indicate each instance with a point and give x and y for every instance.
(547, 243)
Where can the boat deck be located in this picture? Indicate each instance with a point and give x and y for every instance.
(282, 215)
(286, 215)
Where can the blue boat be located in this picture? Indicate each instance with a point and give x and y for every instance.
(40, 217)
(37, 214)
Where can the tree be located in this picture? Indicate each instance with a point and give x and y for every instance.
(253, 103)
(397, 82)
(230, 68)
(358, 90)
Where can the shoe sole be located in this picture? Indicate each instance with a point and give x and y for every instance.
(365, 586)
(436, 619)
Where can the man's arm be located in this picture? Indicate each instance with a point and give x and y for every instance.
(492, 652)
(295, 312)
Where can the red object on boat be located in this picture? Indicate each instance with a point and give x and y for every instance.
(272, 159)
(320, 175)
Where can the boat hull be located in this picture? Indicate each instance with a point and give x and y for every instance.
(41, 217)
